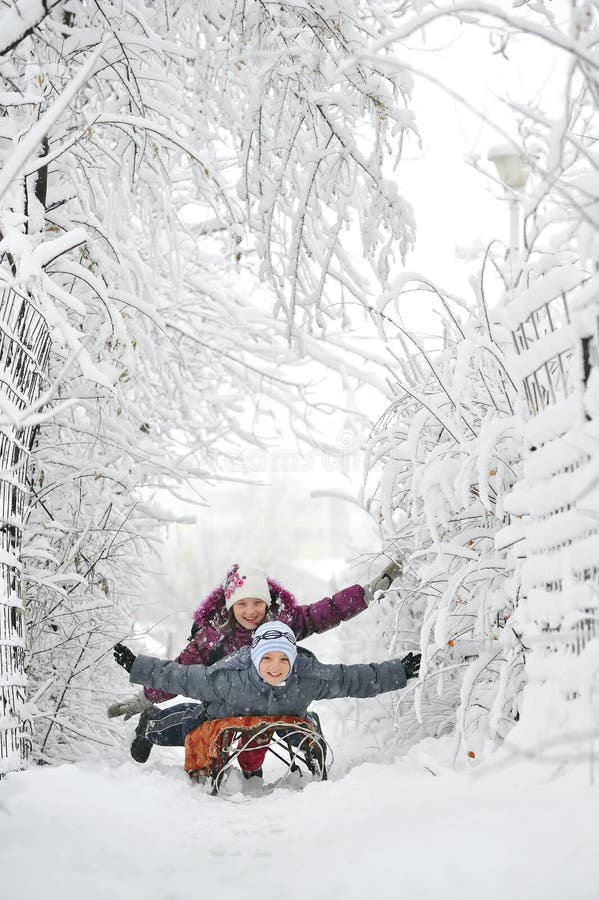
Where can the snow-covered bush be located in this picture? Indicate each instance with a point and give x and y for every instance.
(491, 443)
(441, 461)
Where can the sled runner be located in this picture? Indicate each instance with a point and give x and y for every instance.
(212, 748)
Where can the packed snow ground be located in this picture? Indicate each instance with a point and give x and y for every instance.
(409, 827)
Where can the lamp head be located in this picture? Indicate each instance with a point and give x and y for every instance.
(511, 166)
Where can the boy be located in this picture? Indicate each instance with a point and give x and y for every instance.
(271, 678)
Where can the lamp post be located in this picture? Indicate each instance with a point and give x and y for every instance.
(513, 172)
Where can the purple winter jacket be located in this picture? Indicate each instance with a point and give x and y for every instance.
(215, 639)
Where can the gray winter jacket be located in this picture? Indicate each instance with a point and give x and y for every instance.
(233, 687)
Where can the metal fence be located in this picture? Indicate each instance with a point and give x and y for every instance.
(558, 348)
(24, 354)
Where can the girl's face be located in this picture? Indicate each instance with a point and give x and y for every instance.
(249, 612)
(274, 668)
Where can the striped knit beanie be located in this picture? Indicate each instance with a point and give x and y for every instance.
(273, 637)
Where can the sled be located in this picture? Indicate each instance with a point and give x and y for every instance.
(212, 748)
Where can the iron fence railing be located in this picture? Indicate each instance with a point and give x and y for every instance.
(24, 354)
(558, 347)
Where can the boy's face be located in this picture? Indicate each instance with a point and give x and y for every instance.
(274, 668)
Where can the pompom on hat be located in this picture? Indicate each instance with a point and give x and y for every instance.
(273, 637)
(242, 582)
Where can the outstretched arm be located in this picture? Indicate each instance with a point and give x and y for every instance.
(367, 680)
(197, 652)
(190, 681)
(314, 618)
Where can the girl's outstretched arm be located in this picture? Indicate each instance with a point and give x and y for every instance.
(314, 618)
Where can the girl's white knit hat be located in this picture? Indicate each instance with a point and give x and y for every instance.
(270, 637)
(244, 581)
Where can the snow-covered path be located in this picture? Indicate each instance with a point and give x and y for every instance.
(378, 830)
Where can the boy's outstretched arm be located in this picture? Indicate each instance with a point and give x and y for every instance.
(189, 681)
(368, 680)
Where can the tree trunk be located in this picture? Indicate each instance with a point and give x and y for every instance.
(24, 352)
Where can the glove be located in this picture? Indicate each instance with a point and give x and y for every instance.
(124, 657)
(411, 664)
(383, 581)
(130, 707)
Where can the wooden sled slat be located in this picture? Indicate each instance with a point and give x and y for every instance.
(204, 745)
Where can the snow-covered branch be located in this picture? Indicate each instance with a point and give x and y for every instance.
(20, 20)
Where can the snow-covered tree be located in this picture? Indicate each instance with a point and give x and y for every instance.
(145, 350)
(150, 155)
(488, 452)
(315, 133)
